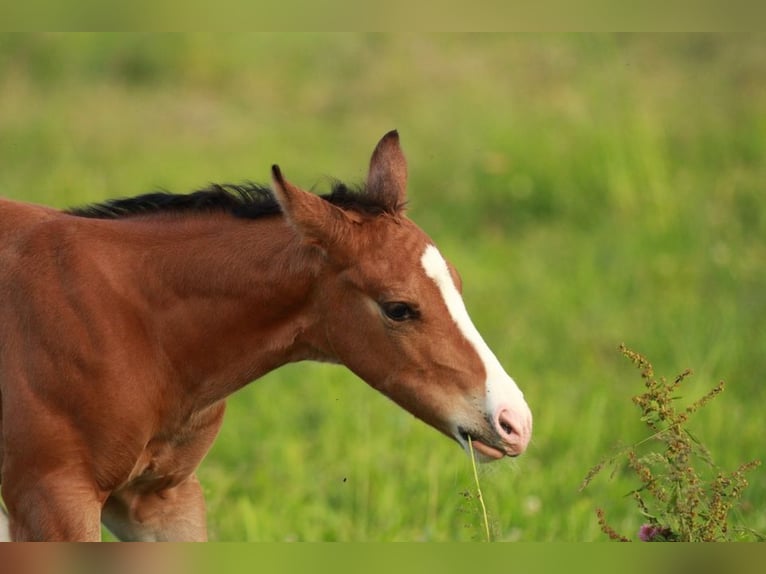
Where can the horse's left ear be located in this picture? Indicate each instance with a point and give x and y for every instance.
(314, 218)
(387, 178)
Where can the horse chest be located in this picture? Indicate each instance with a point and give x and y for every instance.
(173, 455)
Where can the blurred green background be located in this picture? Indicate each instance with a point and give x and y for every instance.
(592, 190)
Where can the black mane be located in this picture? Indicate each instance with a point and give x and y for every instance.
(248, 200)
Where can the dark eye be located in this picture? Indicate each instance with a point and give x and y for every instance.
(398, 311)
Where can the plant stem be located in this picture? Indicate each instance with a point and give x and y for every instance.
(478, 490)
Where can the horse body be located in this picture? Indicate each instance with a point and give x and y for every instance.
(121, 338)
(132, 341)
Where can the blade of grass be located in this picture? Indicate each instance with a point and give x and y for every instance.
(478, 490)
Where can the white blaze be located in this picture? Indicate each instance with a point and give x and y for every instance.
(501, 389)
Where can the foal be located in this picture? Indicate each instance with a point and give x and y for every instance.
(125, 326)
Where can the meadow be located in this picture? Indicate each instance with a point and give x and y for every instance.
(592, 190)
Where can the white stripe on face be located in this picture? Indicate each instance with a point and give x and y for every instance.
(500, 387)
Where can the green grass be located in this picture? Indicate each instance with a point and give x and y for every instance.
(592, 190)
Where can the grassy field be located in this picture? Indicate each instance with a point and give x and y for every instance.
(592, 190)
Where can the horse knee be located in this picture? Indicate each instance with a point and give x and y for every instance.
(171, 514)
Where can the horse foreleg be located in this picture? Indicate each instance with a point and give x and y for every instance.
(170, 514)
(5, 530)
(52, 510)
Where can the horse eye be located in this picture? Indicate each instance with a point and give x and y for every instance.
(398, 311)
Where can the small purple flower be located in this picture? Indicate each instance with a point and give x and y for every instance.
(654, 533)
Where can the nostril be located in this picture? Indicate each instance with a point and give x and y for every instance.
(513, 427)
(509, 427)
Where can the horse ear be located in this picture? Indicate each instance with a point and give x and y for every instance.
(314, 218)
(387, 178)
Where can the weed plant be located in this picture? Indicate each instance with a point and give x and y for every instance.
(683, 495)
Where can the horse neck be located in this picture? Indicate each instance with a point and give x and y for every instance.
(233, 299)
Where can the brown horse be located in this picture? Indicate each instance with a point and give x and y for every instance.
(125, 326)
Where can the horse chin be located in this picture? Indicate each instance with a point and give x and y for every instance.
(486, 453)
